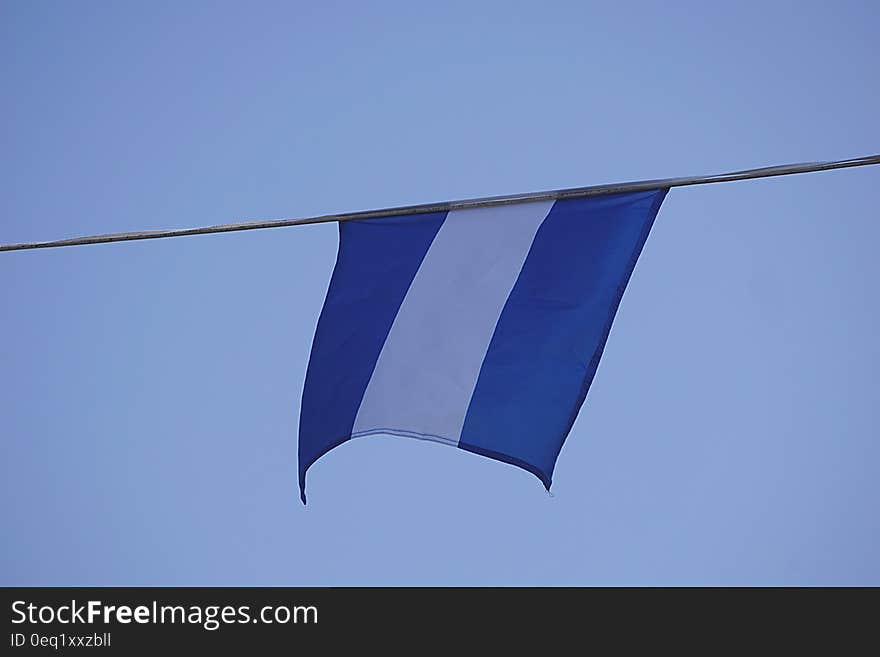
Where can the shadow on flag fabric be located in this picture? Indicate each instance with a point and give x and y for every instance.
(480, 328)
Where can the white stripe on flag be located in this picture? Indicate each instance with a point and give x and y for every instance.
(428, 367)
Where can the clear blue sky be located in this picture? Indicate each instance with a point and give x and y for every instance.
(149, 391)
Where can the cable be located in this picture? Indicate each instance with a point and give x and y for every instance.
(446, 206)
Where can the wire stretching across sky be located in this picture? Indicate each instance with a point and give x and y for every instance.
(446, 206)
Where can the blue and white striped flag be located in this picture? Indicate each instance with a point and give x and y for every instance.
(480, 328)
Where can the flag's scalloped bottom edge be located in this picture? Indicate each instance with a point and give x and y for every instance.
(442, 440)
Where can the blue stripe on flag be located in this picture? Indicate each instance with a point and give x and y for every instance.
(551, 333)
(375, 266)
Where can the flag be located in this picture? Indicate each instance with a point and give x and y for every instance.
(479, 328)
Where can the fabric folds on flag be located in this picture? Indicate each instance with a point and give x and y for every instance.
(479, 328)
